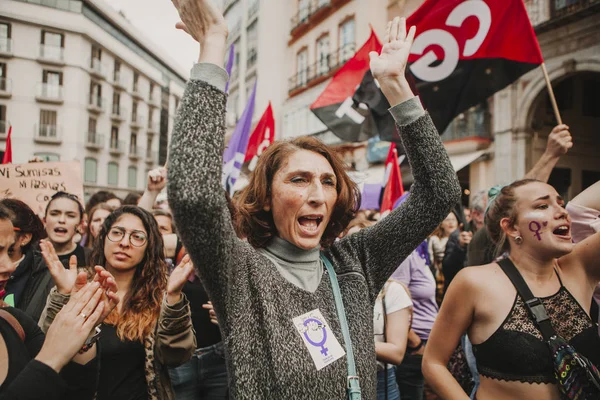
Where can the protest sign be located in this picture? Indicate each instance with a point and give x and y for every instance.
(35, 183)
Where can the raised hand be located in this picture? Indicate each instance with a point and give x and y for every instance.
(72, 325)
(63, 278)
(200, 19)
(178, 278)
(559, 141)
(110, 298)
(157, 180)
(392, 61)
(211, 312)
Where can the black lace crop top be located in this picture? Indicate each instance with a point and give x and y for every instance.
(517, 351)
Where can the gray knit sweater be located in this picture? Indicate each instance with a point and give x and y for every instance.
(255, 304)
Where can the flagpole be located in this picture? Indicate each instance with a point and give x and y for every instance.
(551, 93)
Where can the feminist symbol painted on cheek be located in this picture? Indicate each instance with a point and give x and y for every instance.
(320, 344)
(535, 227)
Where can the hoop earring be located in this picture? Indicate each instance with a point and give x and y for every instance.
(518, 239)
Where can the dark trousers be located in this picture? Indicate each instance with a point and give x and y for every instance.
(410, 377)
(204, 377)
(392, 386)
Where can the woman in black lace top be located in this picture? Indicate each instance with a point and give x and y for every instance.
(527, 220)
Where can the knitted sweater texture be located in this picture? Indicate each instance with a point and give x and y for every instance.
(255, 304)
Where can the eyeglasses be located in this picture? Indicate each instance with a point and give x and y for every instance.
(136, 238)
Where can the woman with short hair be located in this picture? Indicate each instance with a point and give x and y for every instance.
(271, 293)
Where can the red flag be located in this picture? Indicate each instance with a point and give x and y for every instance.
(392, 181)
(7, 159)
(262, 136)
(466, 50)
(336, 108)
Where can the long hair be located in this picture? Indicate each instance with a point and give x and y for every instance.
(141, 305)
(101, 206)
(257, 225)
(26, 221)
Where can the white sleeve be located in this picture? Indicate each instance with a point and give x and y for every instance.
(396, 298)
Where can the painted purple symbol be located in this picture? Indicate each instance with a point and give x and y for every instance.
(535, 227)
(320, 344)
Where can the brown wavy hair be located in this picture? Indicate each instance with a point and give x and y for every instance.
(100, 206)
(256, 224)
(141, 305)
(503, 206)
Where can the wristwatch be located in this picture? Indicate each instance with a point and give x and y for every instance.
(89, 342)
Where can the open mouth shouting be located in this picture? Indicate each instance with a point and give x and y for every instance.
(61, 231)
(563, 232)
(309, 224)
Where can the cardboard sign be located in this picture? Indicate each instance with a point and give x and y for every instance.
(35, 183)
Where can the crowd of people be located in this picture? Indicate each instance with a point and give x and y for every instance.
(288, 289)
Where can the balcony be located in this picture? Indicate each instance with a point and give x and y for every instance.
(94, 141)
(137, 91)
(118, 113)
(472, 124)
(97, 69)
(151, 157)
(315, 10)
(6, 47)
(49, 93)
(96, 104)
(252, 57)
(137, 121)
(153, 128)
(3, 130)
(253, 11)
(51, 54)
(119, 81)
(5, 88)
(550, 14)
(320, 70)
(116, 147)
(50, 134)
(135, 152)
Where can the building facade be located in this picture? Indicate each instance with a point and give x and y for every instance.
(78, 81)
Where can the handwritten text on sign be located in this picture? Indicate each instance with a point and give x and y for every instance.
(35, 183)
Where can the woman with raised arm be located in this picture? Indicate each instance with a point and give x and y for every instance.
(151, 328)
(272, 295)
(527, 220)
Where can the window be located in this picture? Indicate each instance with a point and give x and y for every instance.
(303, 10)
(3, 78)
(136, 78)
(301, 67)
(113, 174)
(48, 157)
(90, 168)
(95, 94)
(346, 40)
(252, 44)
(114, 137)
(92, 124)
(150, 116)
(52, 82)
(117, 71)
(5, 34)
(96, 53)
(133, 143)
(323, 55)
(47, 123)
(134, 113)
(52, 45)
(116, 103)
(149, 147)
(3, 128)
(151, 91)
(132, 177)
(176, 102)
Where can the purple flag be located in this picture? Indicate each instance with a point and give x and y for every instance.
(229, 66)
(370, 196)
(234, 155)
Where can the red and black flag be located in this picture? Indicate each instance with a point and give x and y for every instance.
(343, 107)
(466, 50)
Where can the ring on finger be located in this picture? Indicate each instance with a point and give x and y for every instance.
(83, 315)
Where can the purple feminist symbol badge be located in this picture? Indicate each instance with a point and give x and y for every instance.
(320, 344)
